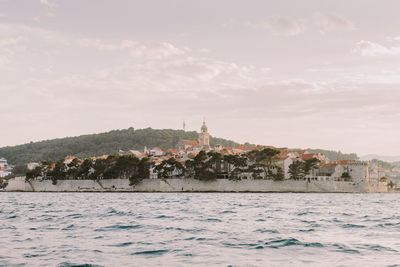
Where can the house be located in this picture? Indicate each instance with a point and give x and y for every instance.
(138, 154)
(32, 165)
(157, 151)
(321, 157)
(184, 144)
(284, 163)
(69, 159)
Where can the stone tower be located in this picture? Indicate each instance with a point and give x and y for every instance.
(204, 137)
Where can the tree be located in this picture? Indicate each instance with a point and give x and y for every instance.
(346, 176)
(85, 169)
(73, 169)
(99, 168)
(278, 176)
(310, 164)
(141, 172)
(57, 172)
(34, 173)
(265, 159)
(167, 167)
(238, 163)
(296, 170)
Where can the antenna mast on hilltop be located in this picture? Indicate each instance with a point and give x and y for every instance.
(184, 125)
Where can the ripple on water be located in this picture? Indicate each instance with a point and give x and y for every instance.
(345, 249)
(69, 227)
(68, 264)
(350, 225)
(272, 231)
(125, 244)
(118, 227)
(151, 252)
(202, 229)
(213, 220)
(281, 243)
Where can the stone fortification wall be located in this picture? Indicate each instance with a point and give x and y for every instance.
(190, 185)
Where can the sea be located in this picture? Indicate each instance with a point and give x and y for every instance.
(199, 229)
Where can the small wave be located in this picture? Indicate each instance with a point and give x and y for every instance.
(227, 211)
(267, 231)
(113, 212)
(117, 227)
(375, 247)
(125, 244)
(74, 216)
(345, 249)
(213, 220)
(388, 224)
(349, 225)
(306, 230)
(164, 217)
(280, 243)
(69, 227)
(68, 264)
(347, 214)
(31, 255)
(241, 245)
(151, 252)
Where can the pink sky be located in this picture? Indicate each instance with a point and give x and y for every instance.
(319, 74)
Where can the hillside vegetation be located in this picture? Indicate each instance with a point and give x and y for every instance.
(99, 144)
(112, 142)
(334, 155)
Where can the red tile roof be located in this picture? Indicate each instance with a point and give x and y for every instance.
(190, 142)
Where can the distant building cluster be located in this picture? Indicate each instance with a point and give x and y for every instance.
(5, 168)
(187, 150)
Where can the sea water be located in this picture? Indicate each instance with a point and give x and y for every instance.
(203, 229)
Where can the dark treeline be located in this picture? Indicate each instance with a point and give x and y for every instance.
(259, 164)
(99, 144)
(115, 166)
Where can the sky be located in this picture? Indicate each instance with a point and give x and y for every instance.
(299, 74)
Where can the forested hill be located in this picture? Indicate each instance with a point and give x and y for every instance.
(334, 155)
(99, 144)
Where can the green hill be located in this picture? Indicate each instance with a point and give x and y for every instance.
(334, 155)
(99, 144)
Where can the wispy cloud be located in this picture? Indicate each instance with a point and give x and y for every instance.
(370, 49)
(280, 25)
(48, 3)
(136, 49)
(332, 22)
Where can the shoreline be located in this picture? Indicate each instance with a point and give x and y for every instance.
(190, 185)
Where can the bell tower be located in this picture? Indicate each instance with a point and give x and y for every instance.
(204, 136)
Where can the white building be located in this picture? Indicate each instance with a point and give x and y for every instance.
(32, 165)
(5, 169)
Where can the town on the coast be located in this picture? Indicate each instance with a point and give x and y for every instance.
(198, 160)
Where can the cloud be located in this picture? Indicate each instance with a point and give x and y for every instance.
(92, 84)
(332, 22)
(10, 41)
(135, 49)
(280, 25)
(48, 3)
(370, 49)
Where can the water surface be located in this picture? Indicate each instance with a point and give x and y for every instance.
(186, 229)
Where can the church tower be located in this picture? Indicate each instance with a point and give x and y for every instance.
(204, 137)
